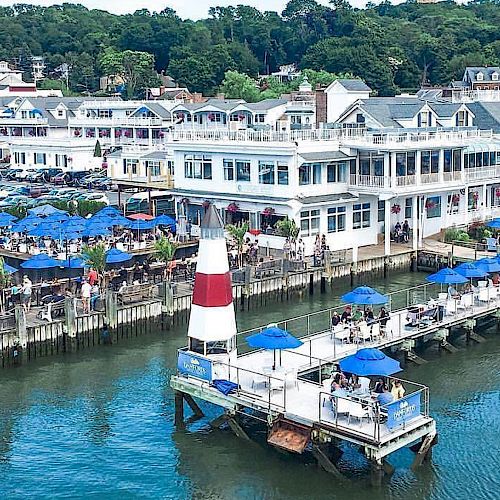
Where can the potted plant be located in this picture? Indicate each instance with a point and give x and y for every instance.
(396, 209)
(233, 207)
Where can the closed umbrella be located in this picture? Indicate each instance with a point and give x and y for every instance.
(488, 265)
(370, 362)
(447, 276)
(364, 295)
(40, 261)
(115, 256)
(470, 270)
(273, 338)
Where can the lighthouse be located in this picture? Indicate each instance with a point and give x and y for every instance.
(212, 324)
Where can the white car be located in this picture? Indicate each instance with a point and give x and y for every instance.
(98, 197)
(21, 176)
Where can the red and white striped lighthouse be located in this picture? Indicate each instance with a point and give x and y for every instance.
(212, 324)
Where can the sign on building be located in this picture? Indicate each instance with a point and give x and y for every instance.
(194, 366)
(403, 410)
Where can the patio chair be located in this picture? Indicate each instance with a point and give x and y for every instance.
(326, 386)
(466, 301)
(291, 378)
(340, 332)
(341, 406)
(364, 331)
(259, 379)
(358, 411)
(375, 330)
(442, 296)
(485, 295)
(482, 284)
(451, 306)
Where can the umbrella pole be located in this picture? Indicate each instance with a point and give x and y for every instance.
(274, 359)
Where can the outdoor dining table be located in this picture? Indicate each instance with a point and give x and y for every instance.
(278, 376)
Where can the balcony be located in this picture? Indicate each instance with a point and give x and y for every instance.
(101, 122)
(482, 173)
(431, 178)
(407, 180)
(369, 181)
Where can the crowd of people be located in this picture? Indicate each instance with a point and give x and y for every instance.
(401, 232)
(352, 319)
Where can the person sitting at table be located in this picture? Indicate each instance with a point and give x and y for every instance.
(452, 293)
(397, 391)
(468, 288)
(385, 397)
(354, 384)
(358, 315)
(379, 386)
(495, 279)
(335, 319)
(369, 317)
(346, 315)
(339, 382)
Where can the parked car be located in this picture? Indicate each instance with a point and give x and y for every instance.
(47, 198)
(37, 191)
(59, 179)
(10, 174)
(73, 178)
(98, 197)
(68, 193)
(36, 176)
(23, 173)
(51, 174)
(104, 184)
(90, 178)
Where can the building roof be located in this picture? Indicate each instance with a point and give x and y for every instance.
(487, 115)
(212, 219)
(324, 156)
(445, 110)
(354, 84)
(472, 71)
(328, 198)
(155, 155)
(266, 104)
(388, 110)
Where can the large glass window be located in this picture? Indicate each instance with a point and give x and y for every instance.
(447, 160)
(336, 219)
(336, 172)
(381, 211)
(361, 215)
(198, 166)
(266, 172)
(408, 208)
(153, 167)
(309, 222)
(228, 170)
(40, 158)
(433, 207)
(429, 162)
(242, 170)
(130, 166)
(457, 160)
(283, 173)
(310, 173)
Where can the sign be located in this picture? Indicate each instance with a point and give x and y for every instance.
(403, 410)
(194, 366)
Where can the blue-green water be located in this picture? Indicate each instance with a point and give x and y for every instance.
(100, 425)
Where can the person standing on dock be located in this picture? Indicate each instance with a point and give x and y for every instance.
(397, 391)
(86, 292)
(26, 292)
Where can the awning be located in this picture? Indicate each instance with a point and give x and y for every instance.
(482, 147)
(324, 156)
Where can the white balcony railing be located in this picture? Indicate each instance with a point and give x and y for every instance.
(481, 173)
(431, 178)
(125, 122)
(407, 180)
(452, 176)
(375, 181)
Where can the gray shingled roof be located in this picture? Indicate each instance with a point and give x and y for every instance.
(266, 104)
(487, 115)
(355, 85)
(444, 110)
(156, 108)
(472, 72)
(155, 155)
(328, 198)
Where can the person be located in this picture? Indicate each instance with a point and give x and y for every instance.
(397, 391)
(335, 319)
(94, 296)
(137, 273)
(86, 290)
(383, 318)
(346, 315)
(452, 293)
(495, 279)
(358, 314)
(123, 287)
(385, 397)
(15, 290)
(338, 382)
(93, 277)
(369, 317)
(354, 383)
(26, 292)
(406, 231)
(379, 386)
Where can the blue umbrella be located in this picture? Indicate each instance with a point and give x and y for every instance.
(447, 276)
(115, 256)
(66, 235)
(494, 224)
(141, 225)
(107, 211)
(57, 217)
(29, 222)
(45, 210)
(164, 220)
(40, 261)
(364, 295)
(94, 230)
(6, 219)
(273, 338)
(73, 263)
(469, 270)
(6, 223)
(488, 265)
(75, 226)
(9, 269)
(369, 362)
(40, 230)
(119, 220)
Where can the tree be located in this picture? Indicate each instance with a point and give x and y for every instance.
(239, 86)
(287, 228)
(97, 150)
(164, 251)
(237, 233)
(95, 256)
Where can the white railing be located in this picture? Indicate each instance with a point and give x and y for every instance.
(452, 176)
(472, 174)
(377, 181)
(102, 122)
(476, 95)
(407, 180)
(431, 178)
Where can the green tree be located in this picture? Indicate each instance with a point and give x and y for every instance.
(164, 251)
(239, 86)
(95, 256)
(4, 283)
(287, 228)
(237, 233)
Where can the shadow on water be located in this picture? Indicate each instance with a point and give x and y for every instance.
(99, 424)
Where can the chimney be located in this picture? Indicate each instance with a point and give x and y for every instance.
(321, 105)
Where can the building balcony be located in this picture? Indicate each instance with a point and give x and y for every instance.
(370, 181)
(101, 122)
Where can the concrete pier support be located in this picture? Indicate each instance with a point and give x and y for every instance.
(179, 398)
(424, 450)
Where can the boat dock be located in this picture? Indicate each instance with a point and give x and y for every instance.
(293, 398)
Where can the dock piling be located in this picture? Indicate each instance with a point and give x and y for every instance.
(424, 452)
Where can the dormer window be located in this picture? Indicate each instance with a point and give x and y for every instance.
(425, 119)
(494, 76)
(479, 77)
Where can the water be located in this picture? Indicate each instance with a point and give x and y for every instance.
(100, 425)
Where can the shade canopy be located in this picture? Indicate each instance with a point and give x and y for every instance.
(447, 276)
(141, 225)
(273, 338)
(9, 269)
(494, 224)
(40, 261)
(367, 362)
(470, 270)
(73, 263)
(488, 265)
(141, 217)
(164, 220)
(43, 229)
(29, 222)
(45, 210)
(57, 217)
(93, 230)
(108, 211)
(364, 295)
(115, 256)
(5, 217)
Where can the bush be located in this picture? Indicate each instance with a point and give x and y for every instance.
(478, 231)
(455, 234)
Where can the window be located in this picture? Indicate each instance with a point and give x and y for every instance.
(433, 207)
(40, 158)
(198, 166)
(457, 160)
(153, 168)
(494, 76)
(228, 170)
(447, 160)
(260, 118)
(24, 114)
(425, 119)
(461, 119)
(408, 208)
(266, 172)
(336, 219)
(243, 171)
(20, 158)
(60, 113)
(479, 77)
(381, 211)
(309, 222)
(61, 161)
(310, 173)
(429, 162)
(283, 174)
(130, 166)
(453, 204)
(336, 172)
(361, 215)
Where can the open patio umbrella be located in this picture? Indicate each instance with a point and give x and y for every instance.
(119, 220)
(488, 264)
(102, 220)
(369, 362)
(107, 211)
(164, 220)
(364, 295)
(9, 269)
(6, 219)
(43, 229)
(73, 263)
(93, 230)
(40, 261)
(29, 222)
(470, 270)
(57, 217)
(273, 338)
(115, 256)
(447, 276)
(141, 217)
(494, 224)
(45, 210)
(141, 225)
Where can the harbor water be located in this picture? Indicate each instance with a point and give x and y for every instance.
(99, 424)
